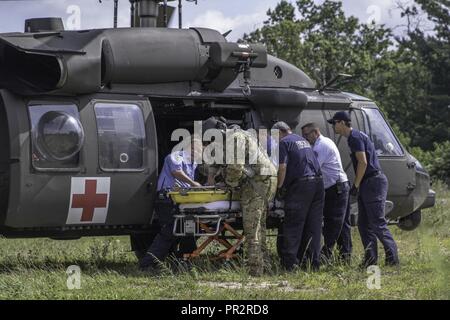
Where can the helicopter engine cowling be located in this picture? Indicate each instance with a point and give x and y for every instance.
(80, 62)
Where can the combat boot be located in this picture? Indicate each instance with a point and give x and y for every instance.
(256, 271)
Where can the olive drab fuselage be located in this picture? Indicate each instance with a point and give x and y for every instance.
(86, 119)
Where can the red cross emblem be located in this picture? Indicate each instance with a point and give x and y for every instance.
(89, 200)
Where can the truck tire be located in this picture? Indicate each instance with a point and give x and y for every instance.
(411, 221)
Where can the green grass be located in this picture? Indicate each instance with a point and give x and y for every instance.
(36, 269)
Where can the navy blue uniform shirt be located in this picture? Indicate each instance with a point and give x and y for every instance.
(359, 142)
(299, 157)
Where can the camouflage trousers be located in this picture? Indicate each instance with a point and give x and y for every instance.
(255, 197)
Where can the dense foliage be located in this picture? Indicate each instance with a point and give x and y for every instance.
(408, 75)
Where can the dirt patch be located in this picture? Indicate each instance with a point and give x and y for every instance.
(280, 285)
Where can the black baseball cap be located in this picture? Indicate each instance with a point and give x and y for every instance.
(340, 116)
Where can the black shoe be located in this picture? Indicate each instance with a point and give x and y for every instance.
(147, 261)
(326, 260)
(392, 263)
(180, 265)
(310, 267)
(153, 271)
(290, 268)
(256, 272)
(345, 259)
(365, 264)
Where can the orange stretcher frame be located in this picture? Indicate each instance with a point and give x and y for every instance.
(230, 249)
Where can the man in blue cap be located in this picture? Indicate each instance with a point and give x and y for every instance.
(299, 173)
(370, 186)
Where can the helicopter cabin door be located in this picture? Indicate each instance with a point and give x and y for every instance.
(127, 156)
(394, 160)
(4, 161)
(87, 165)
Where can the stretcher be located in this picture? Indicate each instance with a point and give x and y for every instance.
(214, 214)
(208, 212)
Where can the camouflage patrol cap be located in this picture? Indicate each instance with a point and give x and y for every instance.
(234, 127)
(214, 123)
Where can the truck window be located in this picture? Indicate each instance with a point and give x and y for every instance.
(57, 136)
(386, 144)
(121, 136)
(318, 117)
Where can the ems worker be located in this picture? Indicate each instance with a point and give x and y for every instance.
(336, 212)
(299, 173)
(371, 187)
(178, 171)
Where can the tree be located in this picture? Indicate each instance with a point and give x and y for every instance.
(439, 12)
(323, 41)
(429, 121)
(408, 76)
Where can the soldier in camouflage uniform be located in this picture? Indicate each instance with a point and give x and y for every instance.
(257, 178)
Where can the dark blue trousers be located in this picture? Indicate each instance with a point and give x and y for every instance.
(344, 242)
(372, 223)
(335, 230)
(302, 225)
(165, 242)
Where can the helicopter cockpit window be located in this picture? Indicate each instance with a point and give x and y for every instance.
(121, 136)
(381, 134)
(57, 136)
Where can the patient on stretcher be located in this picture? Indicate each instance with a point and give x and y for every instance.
(215, 199)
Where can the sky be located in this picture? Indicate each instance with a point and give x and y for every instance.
(241, 16)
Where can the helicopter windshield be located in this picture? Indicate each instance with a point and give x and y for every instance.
(386, 144)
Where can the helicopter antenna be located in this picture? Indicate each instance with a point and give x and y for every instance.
(180, 14)
(165, 13)
(227, 33)
(154, 13)
(132, 14)
(332, 81)
(116, 9)
(116, 6)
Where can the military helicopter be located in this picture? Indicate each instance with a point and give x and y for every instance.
(86, 118)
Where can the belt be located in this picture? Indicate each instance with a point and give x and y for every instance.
(338, 187)
(307, 178)
(373, 174)
(334, 186)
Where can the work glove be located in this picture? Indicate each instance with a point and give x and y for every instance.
(354, 191)
(281, 193)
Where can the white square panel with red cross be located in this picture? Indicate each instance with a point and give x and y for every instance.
(89, 200)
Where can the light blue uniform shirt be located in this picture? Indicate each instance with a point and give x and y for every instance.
(330, 161)
(175, 161)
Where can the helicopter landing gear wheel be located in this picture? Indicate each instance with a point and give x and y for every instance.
(411, 221)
